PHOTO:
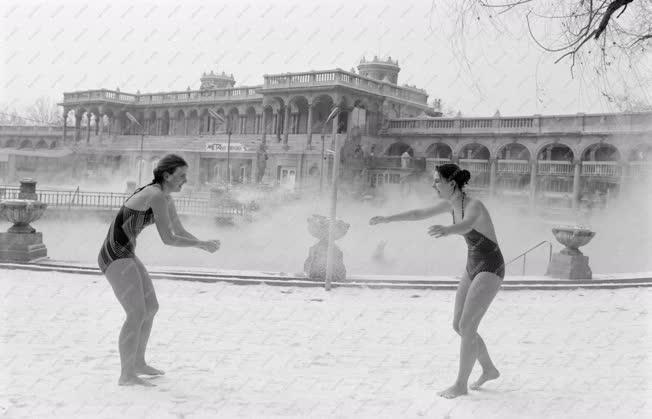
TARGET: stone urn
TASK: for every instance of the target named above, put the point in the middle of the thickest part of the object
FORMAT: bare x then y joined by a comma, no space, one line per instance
21,242
315,264
570,262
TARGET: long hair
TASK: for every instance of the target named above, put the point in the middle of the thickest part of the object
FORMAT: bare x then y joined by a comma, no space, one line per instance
168,164
451,171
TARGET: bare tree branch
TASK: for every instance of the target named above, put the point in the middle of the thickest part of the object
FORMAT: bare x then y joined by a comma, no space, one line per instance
611,9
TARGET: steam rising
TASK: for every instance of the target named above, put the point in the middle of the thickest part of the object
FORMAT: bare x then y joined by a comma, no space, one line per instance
277,240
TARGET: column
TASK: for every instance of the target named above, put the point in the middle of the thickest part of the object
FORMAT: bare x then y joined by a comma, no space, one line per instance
88,127
492,176
336,122
577,166
286,126
533,183
65,124
624,179
264,126
309,126
101,124
277,125
185,124
97,124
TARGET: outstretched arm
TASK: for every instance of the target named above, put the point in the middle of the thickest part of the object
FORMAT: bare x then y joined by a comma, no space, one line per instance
177,227
164,225
414,215
472,213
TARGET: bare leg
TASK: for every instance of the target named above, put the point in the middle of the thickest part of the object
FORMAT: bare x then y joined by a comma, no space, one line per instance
124,277
151,307
488,366
480,294
489,370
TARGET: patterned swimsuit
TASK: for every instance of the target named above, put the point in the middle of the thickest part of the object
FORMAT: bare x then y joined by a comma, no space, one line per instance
120,242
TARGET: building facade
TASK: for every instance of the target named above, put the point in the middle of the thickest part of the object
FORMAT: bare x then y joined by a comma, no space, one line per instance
279,132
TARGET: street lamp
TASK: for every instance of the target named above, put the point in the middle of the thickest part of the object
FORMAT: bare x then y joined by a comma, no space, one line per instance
333,114
333,214
142,138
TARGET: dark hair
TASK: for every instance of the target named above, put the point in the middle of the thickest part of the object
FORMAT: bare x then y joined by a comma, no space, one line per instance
451,171
168,164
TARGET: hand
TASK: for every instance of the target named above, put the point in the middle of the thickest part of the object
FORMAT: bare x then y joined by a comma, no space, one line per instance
378,220
438,231
210,246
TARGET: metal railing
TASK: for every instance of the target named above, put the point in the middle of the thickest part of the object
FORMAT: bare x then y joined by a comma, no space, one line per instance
524,254
112,201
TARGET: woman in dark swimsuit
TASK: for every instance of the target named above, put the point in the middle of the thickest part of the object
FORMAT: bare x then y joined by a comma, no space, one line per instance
127,275
485,268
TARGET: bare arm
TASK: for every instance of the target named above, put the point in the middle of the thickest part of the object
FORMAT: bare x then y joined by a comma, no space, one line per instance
164,224
471,216
177,227
414,215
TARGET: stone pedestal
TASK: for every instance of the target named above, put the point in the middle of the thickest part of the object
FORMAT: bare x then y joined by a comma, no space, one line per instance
315,264
22,247
566,266
22,243
571,263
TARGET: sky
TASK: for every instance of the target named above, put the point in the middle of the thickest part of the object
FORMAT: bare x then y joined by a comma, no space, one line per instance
48,48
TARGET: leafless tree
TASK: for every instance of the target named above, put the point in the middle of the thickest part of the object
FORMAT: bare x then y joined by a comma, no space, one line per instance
44,111
9,116
601,36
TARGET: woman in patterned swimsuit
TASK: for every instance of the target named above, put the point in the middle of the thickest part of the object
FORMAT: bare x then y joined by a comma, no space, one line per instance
485,268
127,275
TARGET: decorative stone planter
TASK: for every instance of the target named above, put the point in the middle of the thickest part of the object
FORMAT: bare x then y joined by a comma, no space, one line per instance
21,242
570,262
315,264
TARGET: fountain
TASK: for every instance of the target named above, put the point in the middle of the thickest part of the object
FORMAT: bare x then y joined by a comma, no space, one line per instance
315,264
21,242
571,263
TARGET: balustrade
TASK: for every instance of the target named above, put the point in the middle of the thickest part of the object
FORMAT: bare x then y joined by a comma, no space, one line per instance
554,167
113,201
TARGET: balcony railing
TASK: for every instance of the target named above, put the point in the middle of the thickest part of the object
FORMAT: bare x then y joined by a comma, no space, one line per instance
622,122
189,96
554,167
330,77
640,169
30,130
514,166
601,168
431,162
394,162
475,165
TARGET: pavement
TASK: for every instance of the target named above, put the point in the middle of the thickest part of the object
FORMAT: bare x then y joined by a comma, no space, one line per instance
265,351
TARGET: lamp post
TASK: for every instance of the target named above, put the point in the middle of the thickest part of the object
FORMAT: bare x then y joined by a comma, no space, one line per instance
142,139
228,156
332,115
333,214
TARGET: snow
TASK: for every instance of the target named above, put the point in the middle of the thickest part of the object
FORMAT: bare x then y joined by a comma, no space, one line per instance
262,351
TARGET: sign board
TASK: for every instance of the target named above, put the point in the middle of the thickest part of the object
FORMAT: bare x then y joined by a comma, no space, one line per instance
221,147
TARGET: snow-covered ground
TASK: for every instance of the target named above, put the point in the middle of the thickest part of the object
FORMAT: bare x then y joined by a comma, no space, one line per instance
264,351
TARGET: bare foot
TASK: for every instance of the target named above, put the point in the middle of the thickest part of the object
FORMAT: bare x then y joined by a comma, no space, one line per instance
486,376
147,370
132,380
453,391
